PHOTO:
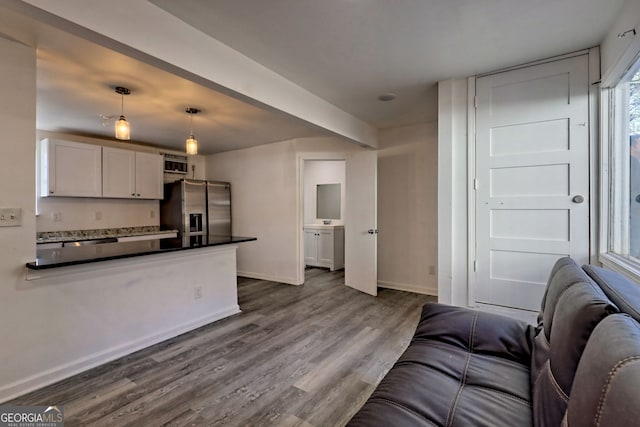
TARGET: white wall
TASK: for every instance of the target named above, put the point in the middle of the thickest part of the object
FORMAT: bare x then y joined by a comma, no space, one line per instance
452,192
322,172
17,187
79,213
407,208
613,47
264,195
263,198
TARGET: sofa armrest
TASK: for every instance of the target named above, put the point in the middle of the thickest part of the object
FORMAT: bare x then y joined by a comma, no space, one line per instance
605,389
479,332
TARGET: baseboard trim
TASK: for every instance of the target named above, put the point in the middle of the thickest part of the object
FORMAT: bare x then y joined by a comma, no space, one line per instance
55,374
408,288
260,276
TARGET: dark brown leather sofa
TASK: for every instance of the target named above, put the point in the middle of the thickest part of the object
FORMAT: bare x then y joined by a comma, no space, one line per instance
579,367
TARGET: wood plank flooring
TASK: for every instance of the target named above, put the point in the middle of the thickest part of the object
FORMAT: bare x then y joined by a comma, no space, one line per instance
296,356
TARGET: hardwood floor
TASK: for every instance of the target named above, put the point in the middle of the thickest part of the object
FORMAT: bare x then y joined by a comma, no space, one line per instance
296,356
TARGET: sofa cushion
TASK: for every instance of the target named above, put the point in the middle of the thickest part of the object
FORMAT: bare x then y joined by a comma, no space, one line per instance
577,312
624,293
605,391
565,273
462,367
484,333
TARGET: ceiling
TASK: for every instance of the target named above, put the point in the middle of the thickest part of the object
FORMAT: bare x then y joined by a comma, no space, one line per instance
345,51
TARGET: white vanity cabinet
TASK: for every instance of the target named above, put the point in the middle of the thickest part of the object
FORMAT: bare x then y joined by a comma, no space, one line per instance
324,246
70,169
131,174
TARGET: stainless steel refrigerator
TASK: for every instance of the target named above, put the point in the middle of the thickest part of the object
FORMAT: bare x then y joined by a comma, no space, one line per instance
199,210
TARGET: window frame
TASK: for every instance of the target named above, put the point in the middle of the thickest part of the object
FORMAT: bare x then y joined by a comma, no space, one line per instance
614,161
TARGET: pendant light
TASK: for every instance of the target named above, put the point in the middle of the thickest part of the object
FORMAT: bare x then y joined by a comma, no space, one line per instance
192,142
123,131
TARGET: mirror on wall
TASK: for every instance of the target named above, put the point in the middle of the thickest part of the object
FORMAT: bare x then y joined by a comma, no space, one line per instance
328,201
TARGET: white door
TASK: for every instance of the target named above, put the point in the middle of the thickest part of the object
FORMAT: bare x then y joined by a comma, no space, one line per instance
325,247
310,247
360,259
532,170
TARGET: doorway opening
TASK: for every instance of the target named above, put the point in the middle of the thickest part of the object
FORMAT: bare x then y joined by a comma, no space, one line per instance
323,205
357,219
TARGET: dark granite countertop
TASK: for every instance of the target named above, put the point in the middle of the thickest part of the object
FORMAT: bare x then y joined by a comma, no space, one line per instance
74,255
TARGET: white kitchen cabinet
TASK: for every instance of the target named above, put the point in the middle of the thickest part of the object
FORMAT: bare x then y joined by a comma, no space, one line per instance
70,169
324,246
131,174
149,176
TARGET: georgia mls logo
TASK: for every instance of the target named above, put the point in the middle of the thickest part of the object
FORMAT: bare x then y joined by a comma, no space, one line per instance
31,416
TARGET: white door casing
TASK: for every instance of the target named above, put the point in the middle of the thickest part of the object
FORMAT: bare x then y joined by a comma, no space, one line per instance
532,170
361,269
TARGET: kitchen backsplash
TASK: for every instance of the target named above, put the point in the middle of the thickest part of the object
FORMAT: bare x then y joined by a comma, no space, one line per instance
72,235
76,213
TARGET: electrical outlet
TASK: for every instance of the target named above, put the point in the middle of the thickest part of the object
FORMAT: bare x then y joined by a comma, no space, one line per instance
152,213
432,270
57,216
98,215
197,292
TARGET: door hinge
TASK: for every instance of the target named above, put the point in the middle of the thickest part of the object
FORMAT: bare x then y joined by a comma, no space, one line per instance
475,266
475,183
475,101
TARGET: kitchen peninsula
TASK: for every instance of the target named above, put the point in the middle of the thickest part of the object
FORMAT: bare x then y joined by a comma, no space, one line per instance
112,299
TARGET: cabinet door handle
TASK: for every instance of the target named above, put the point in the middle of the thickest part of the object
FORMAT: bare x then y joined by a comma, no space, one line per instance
50,192
133,194
138,195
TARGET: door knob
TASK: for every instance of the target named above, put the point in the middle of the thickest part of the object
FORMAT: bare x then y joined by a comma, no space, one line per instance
372,231
578,199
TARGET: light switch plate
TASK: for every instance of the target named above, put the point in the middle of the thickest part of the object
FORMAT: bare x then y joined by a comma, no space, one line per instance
10,217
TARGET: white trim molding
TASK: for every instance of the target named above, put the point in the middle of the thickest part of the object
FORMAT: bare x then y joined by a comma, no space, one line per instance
267,277
82,364
416,289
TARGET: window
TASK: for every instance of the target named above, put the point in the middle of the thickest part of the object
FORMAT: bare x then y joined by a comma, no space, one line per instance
624,173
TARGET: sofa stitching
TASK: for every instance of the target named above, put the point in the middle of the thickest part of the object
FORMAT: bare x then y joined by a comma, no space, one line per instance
555,384
607,385
404,407
502,393
535,383
463,379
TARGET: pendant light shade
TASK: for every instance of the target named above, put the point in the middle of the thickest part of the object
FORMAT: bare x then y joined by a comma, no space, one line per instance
123,130
192,142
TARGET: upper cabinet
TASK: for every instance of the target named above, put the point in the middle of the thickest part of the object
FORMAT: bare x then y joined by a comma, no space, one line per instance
149,176
118,173
70,169
74,169
131,175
